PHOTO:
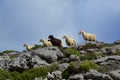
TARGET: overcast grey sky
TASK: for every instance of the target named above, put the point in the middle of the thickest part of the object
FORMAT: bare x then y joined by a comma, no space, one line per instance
26,21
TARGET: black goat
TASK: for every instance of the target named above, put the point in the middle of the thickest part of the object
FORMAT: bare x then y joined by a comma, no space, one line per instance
55,41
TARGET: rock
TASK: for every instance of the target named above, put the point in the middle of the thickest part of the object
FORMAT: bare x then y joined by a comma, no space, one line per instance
38,78
117,42
82,52
63,66
38,62
76,77
4,60
21,62
56,75
115,74
110,50
50,54
95,75
74,58
12,54
65,60
107,58
26,61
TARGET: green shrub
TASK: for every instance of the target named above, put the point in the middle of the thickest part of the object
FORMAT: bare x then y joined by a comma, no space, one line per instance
101,69
90,56
36,46
7,51
73,68
87,65
73,51
28,74
117,52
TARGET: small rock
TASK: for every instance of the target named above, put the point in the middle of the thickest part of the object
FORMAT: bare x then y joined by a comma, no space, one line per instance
56,75
82,52
74,58
76,77
63,66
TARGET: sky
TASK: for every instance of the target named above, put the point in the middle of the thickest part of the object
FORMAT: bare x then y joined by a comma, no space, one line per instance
27,21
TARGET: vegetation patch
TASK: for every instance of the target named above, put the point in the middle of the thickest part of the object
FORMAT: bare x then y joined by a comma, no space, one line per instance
28,74
7,51
87,65
73,51
90,56
72,69
36,46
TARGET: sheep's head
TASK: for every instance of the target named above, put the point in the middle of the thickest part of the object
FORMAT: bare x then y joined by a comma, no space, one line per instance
81,32
25,45
64,36
51,36
41,40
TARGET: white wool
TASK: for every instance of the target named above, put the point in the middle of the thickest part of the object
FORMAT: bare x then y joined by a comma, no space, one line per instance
88,36
28,47
45,42
69,41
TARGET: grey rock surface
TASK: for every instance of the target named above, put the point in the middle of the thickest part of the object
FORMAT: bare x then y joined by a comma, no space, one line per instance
76,77
95,75
115,74
63,66
50,54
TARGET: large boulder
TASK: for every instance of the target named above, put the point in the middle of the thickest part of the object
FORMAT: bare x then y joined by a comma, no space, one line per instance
4,62
26,61
50,54
38,62
21,62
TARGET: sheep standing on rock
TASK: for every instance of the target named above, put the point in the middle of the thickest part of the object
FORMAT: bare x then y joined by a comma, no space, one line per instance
88,36
46,43
55,41
28,47
69,41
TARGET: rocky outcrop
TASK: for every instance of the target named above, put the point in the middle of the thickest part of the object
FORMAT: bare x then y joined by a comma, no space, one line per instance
103,55
26,60
50,54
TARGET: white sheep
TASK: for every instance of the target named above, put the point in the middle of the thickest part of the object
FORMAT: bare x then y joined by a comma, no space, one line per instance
69,41
46,43
28,47
88,36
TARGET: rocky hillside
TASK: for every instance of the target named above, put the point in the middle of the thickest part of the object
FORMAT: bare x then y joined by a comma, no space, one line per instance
89,61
